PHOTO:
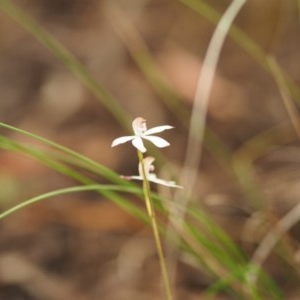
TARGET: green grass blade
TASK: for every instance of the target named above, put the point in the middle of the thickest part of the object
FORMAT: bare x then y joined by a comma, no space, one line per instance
63,191
101,170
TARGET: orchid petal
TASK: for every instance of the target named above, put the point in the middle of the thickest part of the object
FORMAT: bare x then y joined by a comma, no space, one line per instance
138,143
164,182
157,129
157,141
122,140
135,177
152,177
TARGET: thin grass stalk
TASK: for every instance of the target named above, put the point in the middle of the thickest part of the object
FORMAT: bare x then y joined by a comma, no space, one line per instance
59,192
201,100
198,119
151,213
285,94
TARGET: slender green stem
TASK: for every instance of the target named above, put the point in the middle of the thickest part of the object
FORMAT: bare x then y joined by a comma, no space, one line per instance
59,192
151,212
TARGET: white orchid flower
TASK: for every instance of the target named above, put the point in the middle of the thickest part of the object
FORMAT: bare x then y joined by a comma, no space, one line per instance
148,165
140,133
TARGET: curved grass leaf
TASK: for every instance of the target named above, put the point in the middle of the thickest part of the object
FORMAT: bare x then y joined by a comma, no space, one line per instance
69,190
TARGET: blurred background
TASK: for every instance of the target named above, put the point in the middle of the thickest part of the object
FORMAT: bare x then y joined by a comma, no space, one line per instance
147,55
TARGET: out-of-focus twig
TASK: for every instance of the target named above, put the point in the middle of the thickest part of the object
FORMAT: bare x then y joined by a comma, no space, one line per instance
198,116
270,240
199,112
285,94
